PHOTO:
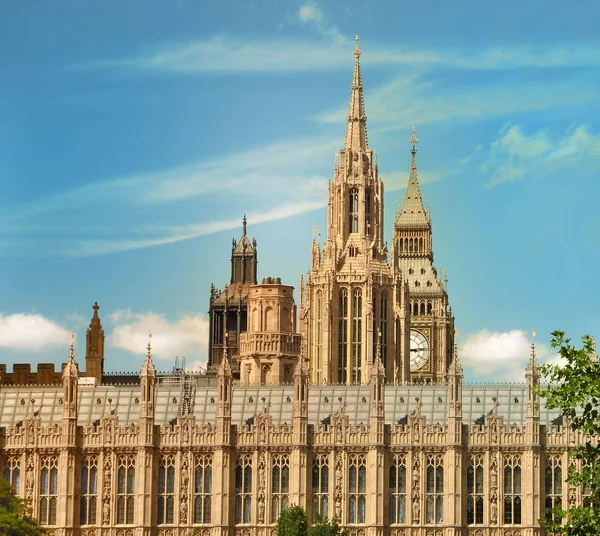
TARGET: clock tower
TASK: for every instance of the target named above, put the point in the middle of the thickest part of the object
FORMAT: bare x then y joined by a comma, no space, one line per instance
431,320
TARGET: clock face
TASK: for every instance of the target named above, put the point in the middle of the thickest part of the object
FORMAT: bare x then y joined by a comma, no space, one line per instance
419,350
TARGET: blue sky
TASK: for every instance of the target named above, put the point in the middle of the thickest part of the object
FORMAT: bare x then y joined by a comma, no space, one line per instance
134,136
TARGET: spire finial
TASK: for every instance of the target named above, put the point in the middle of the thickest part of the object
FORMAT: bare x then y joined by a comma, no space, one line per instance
149,347
244,223
225,345
414,140
356,50
378,348
532,357
72,347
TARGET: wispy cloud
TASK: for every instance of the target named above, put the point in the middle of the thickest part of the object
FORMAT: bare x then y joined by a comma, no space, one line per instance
16,332
233,54
117,211
186,336
514,155
311,14
499,356
426,98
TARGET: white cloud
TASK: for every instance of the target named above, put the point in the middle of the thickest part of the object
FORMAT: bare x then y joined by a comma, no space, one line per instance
187,336
232,54
515,155
311,13
499,356
32,332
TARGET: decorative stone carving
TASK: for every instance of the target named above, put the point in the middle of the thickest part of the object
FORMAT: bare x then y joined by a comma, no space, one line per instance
493,490
416,492
337,494
106,495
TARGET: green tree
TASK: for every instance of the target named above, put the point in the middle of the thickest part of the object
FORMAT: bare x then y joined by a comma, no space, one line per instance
574,388
13,520
326,528
292,522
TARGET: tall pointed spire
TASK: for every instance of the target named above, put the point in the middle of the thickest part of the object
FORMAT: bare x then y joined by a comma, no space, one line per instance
412,211
356,130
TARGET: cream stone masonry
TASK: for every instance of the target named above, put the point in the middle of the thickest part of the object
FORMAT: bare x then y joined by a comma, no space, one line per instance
331,418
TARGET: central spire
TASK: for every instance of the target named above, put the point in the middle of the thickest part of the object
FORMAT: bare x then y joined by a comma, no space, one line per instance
356,130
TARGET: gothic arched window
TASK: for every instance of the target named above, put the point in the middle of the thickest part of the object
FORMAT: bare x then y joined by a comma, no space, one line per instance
475,491
89,491
398,490
512,490
368,212
166,491
357,500
343,336
356,335
202,490
280,485
353,211
48,491
320,487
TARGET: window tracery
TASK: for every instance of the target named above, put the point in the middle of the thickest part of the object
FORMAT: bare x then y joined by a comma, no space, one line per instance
320,486
202,490
166,490
280,485
125,490
397,474
357,484
88,503
435,489
48,490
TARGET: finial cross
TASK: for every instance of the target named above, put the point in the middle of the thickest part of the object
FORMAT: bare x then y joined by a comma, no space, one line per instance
413,139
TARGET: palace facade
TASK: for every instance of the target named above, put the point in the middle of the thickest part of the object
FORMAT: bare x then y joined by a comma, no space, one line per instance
351,406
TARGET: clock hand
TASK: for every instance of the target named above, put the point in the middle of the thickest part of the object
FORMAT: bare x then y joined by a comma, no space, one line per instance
414,349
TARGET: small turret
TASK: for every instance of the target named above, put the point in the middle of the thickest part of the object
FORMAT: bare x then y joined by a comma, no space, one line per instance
70,388
94,348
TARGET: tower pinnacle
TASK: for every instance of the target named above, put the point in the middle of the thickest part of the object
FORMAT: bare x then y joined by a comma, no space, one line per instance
412,211
356,130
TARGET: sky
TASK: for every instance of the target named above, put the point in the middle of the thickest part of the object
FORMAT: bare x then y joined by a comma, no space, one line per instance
135,135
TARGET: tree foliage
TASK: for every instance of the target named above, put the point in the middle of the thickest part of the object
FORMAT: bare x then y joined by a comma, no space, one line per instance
573,387
292,522
13,520
326,528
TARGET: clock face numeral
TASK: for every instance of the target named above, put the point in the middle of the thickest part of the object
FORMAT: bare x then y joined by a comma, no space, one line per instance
419,350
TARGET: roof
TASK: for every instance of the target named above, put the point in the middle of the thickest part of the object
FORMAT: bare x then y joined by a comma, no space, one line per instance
412,212
323,401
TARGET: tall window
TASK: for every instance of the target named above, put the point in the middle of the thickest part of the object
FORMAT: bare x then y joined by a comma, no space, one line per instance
368,210
357,487
320,487
435,489
318,334
48,491
12,472
353,211
202,489
280,485
398,490
243,490
475,491
89,491
166,490
383,323
356,335
126,490
553,482
512,490
343,337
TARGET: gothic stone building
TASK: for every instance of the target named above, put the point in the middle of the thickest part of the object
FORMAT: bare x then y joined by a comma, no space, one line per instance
352,406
